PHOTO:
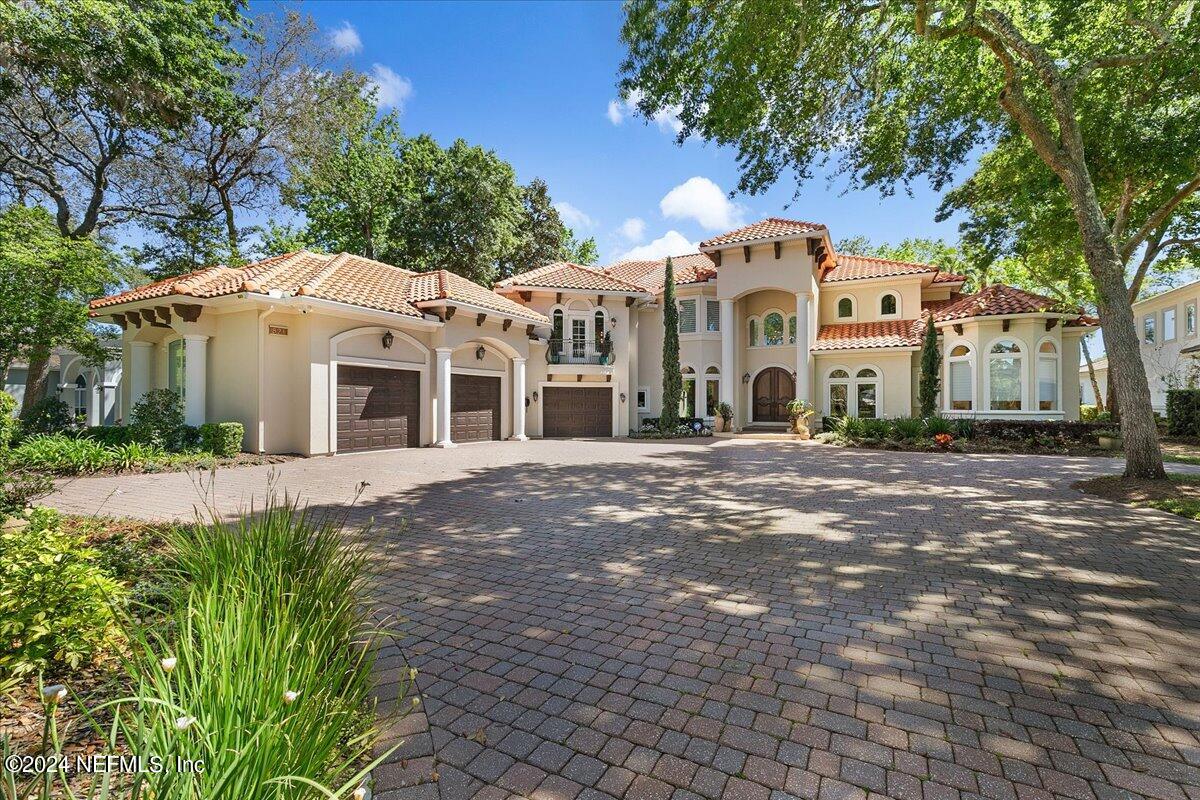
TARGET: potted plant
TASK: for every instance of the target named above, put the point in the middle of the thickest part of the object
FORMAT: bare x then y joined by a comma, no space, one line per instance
605,348
798,412
724,417
1110,439
554,351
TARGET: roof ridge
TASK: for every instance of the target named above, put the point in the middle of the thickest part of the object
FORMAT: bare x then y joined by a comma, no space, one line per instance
193,280
314,283
276,265
933,267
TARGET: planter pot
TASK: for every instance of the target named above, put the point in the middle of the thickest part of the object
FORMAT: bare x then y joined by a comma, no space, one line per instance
721,426
1112,442
800,428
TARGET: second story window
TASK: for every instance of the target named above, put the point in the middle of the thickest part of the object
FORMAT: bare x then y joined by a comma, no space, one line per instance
773,329
687,316
712,316
1168,324
1148,329
845,308
1189,320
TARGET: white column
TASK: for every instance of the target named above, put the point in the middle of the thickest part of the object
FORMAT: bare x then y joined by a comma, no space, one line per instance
729,336
442,403
802,389
95,404
195,378
699,393
140,371
518,401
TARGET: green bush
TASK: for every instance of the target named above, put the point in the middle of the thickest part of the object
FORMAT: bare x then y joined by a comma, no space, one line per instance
48,415
849,428
1092,414
8,423
875,428
964,429
157,419
55,600
1183,412
936,425
908,427
133,454
62,455
111,435
222,439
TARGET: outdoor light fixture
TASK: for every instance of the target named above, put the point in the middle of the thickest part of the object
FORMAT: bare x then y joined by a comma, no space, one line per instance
535,395
622,397
613,322
746,378
388,338
479,351
793,374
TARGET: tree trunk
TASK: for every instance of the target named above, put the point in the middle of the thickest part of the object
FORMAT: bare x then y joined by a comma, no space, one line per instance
1114,408
1143,458
231,231
35,379
1087,356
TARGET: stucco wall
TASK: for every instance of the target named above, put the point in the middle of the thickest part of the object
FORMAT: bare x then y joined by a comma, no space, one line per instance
1164,362
867,296
894,368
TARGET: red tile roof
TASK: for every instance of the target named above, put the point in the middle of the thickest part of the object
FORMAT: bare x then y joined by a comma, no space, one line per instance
858,335
770,228
851,268
343,278
565,275
995,300
650,274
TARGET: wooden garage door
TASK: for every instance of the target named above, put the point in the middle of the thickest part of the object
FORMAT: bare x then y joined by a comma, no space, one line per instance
474,408
377,408
577,412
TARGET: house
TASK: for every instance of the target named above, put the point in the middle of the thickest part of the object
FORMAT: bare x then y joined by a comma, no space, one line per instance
1086,395
327,353
1167,329
90,391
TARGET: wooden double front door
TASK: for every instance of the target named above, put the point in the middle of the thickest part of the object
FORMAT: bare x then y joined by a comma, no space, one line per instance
773,390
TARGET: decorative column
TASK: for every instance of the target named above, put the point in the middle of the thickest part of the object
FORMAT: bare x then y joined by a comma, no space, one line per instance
442,403
803,392
729,335
518,401
141,376
195,378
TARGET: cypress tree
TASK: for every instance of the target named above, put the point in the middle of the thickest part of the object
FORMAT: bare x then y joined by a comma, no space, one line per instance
931,371
672,382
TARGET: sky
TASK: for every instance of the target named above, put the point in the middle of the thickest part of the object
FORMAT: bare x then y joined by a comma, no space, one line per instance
536,83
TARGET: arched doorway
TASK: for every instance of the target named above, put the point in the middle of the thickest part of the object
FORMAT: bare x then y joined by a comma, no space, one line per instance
773,389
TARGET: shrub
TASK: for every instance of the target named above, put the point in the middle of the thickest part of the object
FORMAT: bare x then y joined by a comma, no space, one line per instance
18,489
1027,429
1183,412
48,415
875,428
222,438
849,427
964,428
936,425
908,427
54,599
1092,414
725,412
111,435
133,454
157,419
62,454
8,423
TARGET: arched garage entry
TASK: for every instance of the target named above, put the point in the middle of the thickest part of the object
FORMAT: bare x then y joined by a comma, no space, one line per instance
479,391
379,384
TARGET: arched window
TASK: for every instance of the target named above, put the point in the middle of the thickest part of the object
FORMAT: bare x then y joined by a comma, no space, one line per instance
866,393
961,371
80,397
1047,377
687,401
599,325
845,308
557,323
773,329
839,393
753,332
889,305
712,391
1005,387
792,329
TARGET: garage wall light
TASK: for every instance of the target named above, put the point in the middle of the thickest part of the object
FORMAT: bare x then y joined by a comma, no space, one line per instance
535,396
479,351
388,338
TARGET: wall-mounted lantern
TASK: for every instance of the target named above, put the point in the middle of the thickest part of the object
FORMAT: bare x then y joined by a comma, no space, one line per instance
746,378
479,352
622,397
535,396
388,338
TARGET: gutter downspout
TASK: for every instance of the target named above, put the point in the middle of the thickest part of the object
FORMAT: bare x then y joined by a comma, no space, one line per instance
262,360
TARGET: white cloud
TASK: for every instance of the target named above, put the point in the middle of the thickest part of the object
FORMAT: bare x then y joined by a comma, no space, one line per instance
344,39
621,109
391,90
633,229
702,200
671,243
573,217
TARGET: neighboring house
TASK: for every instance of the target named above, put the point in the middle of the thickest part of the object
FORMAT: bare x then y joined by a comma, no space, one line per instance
1086,396
322,354
1167,329
92,392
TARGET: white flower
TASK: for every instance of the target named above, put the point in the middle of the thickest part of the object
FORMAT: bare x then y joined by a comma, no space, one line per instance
54,694
168,664
359,793
416,702
183,723
290,697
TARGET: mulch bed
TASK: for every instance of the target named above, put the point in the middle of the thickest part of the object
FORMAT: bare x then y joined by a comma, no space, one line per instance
1134,491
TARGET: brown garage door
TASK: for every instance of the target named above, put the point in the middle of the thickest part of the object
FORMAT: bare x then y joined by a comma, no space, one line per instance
474,408
577,412
377,408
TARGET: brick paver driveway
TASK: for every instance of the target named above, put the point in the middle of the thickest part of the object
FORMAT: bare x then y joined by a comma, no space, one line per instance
766,620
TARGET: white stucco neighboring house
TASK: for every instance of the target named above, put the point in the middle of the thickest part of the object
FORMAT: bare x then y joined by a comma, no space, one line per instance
319,354
91,391
1170,345
1086,395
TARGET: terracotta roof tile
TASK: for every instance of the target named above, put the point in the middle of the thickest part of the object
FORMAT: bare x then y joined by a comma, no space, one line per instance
769,228
996,300
851,268
650,273
565,275
949,277
857,335
343,278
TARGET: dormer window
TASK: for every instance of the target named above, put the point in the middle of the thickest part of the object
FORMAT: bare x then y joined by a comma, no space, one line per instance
889,305
845,308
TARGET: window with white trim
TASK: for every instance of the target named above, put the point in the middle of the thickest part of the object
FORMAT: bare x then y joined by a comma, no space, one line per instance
961,370
177,368
792,329
1189,319
889,305
839,393
642,394
1168,324
753,332
687,316
1005,386
687,401
866,393
712,316
1047,375
1148,329
845,308
712,391
80,397
773,329
857,397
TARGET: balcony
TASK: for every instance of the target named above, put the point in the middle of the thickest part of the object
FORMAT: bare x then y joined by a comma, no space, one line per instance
579,356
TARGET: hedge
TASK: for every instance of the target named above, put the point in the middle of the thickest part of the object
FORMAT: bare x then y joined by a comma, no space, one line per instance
1015,429
222,438
112,435
1183,412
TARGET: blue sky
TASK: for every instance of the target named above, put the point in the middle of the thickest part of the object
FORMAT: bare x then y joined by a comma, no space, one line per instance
535,81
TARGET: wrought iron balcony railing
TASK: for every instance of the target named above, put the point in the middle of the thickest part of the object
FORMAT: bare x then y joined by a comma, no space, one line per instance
579,351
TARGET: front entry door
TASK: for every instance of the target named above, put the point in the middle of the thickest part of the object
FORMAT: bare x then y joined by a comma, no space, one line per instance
773,390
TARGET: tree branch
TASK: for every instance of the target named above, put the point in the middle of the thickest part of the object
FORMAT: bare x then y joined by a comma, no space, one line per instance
1159,216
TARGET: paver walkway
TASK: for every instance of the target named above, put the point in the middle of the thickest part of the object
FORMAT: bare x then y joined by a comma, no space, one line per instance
649,620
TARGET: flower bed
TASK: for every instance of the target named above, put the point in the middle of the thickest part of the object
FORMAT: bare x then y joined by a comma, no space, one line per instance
967,435
687,429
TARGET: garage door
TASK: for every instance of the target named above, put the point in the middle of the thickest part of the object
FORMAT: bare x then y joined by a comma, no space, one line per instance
577,412
474,408
377,408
